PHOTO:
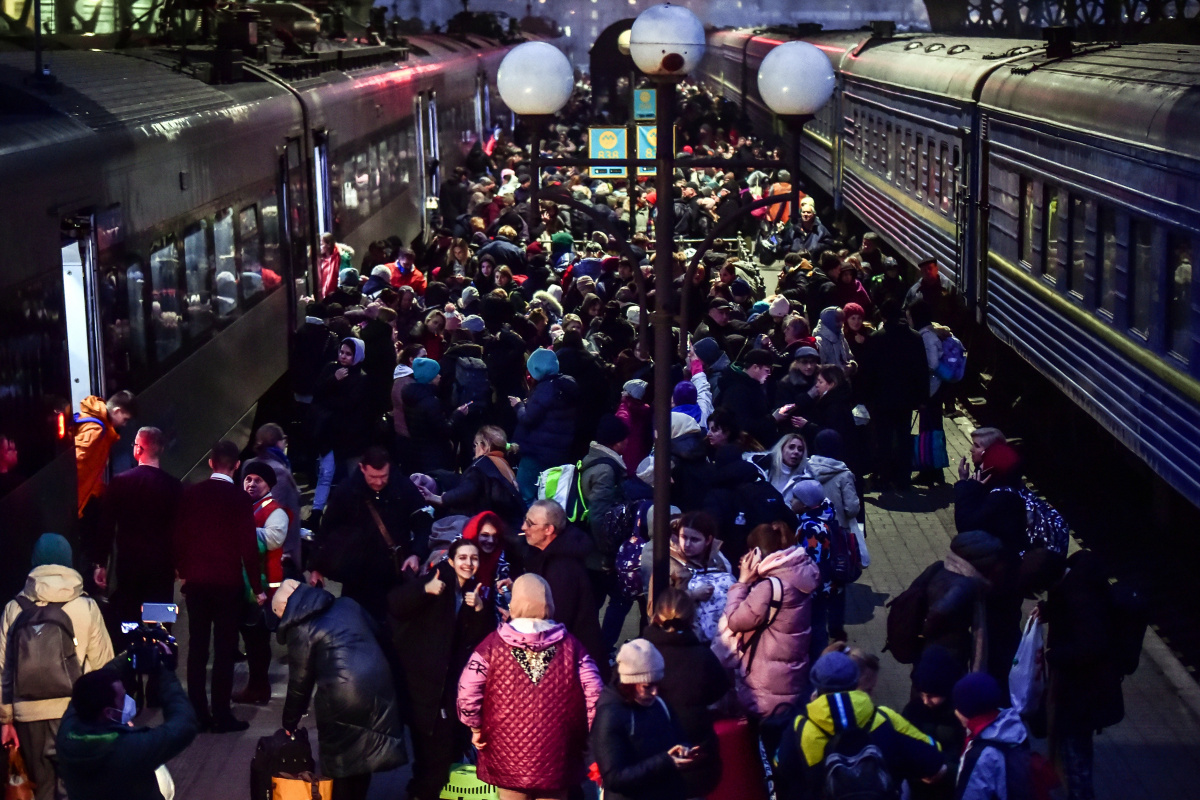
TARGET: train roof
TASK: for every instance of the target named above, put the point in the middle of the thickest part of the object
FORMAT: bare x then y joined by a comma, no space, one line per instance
938,64
1146,94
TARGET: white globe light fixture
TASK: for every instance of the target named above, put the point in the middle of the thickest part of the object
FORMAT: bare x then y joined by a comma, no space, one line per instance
535,79
623,42
666,41
795,79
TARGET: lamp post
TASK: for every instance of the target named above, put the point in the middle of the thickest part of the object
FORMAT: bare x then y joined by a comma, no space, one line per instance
666,42
535,80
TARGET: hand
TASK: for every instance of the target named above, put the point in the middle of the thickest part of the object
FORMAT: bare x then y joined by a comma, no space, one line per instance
8,733
514,401
341,373
964,471
783,412
748,565
503,584
680,755
463,409
983,476
100,576
430,497
436,585
799,422
474,600
504,615
477,738
412,564
316,579
261,598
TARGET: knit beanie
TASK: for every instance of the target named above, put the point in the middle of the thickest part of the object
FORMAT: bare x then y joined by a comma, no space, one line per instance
708,351
684,394
52,548
531,598
834,672
936,672
780,307
853,309
348,277
425,369
977,693
469,295
828,443
561,243
1003,462
761,307
638,661
262,470
542,364
473,323
806,492
740,288
611,430
635,388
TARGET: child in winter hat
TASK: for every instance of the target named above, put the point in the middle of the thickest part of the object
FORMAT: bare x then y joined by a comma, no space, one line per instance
638,661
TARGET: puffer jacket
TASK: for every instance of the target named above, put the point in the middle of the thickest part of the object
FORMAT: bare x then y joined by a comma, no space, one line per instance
429,426
93,443
630,744
778,672
1001,747
838,482
546,421
691,472
534,709
332,646
53,583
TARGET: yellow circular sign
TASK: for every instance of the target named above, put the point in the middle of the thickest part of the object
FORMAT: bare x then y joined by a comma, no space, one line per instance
644,97
652,137
608,140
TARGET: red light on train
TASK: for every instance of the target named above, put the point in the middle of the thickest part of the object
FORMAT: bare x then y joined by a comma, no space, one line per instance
61,420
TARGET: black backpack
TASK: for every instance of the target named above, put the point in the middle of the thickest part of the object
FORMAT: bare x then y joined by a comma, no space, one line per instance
41,646
845,562
906,617
616,526
471,383
1130,618
854,766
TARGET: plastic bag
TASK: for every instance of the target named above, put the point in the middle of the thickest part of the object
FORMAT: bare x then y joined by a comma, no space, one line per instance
864,556
1027,679
19,787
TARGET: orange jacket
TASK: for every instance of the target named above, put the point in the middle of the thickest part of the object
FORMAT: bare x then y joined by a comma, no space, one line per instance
93,442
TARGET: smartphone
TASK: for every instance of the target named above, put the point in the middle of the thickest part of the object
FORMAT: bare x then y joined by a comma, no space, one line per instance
159,612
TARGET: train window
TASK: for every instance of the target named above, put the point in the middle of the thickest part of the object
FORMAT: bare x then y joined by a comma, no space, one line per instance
888,161
362,184
1106,288
1029,192
250,250
946,180
1143,282
226,280
373,169
269,207
1179,310
385,171
34,373
165,313
935,177
1052,234
923,167
198,268
349,189
908,163
1083,212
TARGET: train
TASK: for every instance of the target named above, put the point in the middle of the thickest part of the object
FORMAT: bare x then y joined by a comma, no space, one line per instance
161,228
1058,185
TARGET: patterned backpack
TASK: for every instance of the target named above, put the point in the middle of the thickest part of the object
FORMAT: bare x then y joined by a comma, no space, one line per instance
1044,526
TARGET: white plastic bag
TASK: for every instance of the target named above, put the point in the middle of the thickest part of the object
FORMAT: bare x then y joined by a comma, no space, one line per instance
860,535
1027,679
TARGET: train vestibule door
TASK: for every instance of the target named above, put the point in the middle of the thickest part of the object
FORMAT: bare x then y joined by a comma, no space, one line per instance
81,307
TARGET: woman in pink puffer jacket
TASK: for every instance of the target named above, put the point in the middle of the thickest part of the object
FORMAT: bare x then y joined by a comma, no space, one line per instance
774,652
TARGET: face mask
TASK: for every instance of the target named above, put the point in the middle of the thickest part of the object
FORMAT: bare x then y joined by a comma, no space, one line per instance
129,711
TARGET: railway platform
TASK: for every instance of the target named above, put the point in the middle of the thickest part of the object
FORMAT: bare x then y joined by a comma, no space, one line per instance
1153,754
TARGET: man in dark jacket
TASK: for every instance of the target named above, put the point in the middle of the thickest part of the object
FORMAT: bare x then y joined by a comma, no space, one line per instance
545,422
1085,679
811,235
137,515
504,251
372,530
101,758
894,377
556,553
936,290
745,393
333,646
822,286
216,550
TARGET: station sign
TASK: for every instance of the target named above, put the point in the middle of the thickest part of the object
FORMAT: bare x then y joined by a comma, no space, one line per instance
608,144
647,136
643,103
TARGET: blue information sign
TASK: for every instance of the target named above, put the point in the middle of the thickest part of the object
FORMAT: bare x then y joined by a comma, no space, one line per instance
647,147
608,144
643,103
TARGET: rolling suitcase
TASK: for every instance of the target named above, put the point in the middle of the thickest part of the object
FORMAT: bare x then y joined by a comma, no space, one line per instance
279,754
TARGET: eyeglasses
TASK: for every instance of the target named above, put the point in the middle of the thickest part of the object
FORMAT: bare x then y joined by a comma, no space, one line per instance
531,524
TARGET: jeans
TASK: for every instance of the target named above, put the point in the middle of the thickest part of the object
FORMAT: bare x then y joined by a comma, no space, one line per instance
326,466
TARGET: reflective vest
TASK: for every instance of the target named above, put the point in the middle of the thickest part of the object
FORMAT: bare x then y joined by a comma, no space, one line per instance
271,560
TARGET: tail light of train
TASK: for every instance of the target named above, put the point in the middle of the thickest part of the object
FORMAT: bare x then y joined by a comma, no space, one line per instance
60,423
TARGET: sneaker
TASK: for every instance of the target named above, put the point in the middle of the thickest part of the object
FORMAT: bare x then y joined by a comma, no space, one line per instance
228,725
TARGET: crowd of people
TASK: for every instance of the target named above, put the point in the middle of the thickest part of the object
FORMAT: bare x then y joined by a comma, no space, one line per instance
474,417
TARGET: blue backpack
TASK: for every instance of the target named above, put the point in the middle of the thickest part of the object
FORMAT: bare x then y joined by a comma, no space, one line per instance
953,363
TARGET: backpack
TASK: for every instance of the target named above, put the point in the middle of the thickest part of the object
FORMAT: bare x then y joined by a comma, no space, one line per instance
615,528
845,561
42,645
854,766
756,503
1130,618
1026,774
1045,527
561,484
471,383
629,554
906,617
953,362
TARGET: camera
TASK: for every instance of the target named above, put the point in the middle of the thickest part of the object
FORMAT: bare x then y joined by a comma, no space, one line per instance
145,652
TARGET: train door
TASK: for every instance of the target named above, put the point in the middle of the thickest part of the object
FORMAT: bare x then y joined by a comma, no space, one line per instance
434,154
480,85
295,231
321,188
81,307
425,114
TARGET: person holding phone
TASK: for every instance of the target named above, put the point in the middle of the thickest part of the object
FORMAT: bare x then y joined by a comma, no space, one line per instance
638,741
437,620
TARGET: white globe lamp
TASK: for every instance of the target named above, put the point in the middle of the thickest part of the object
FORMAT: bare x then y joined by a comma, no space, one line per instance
535,79
666,41
623,42
795,79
